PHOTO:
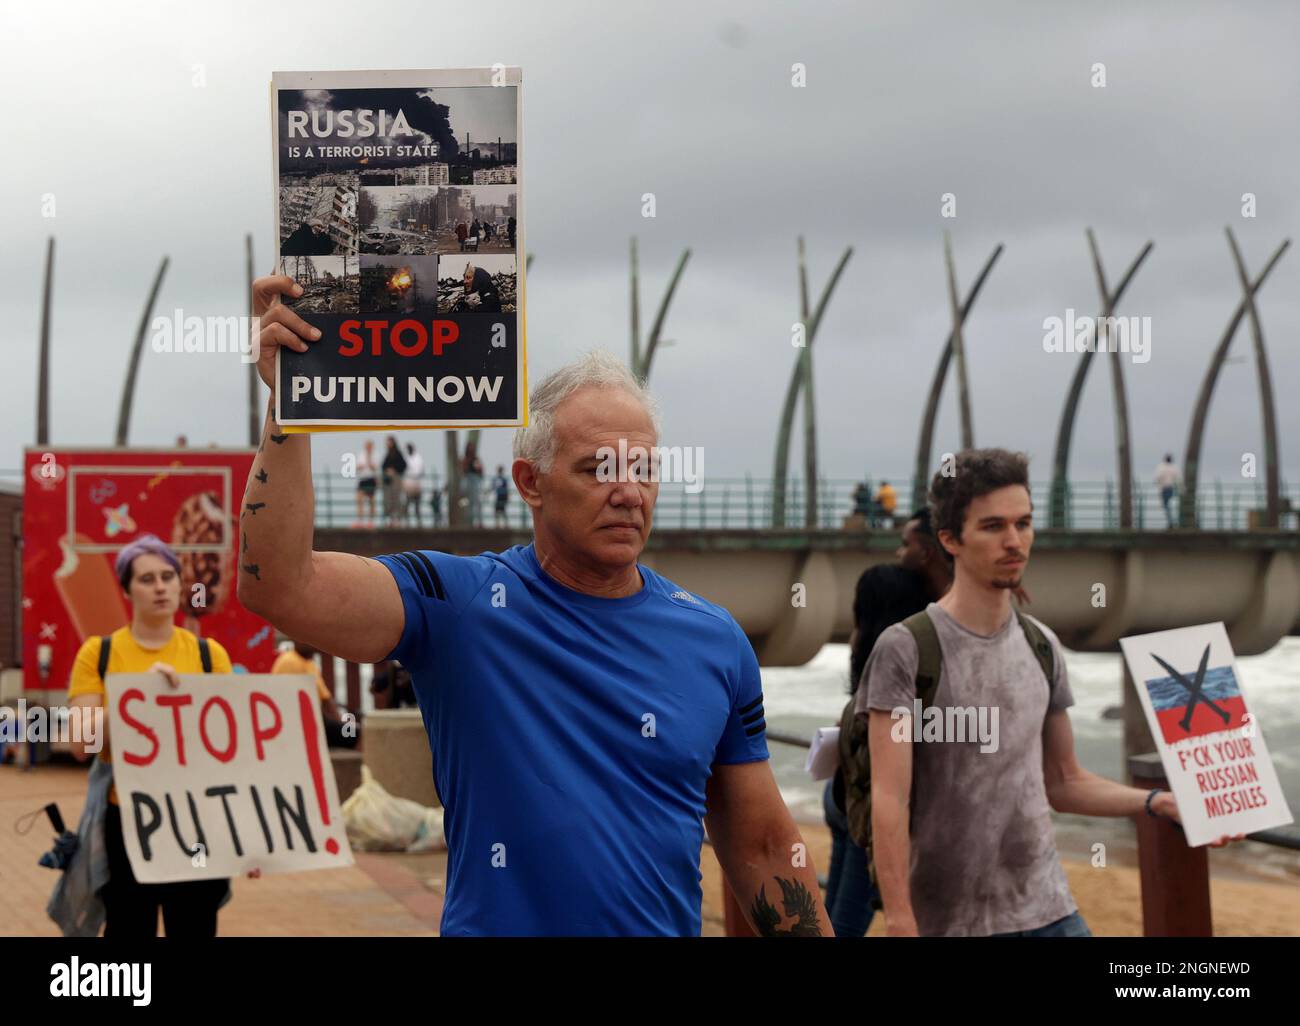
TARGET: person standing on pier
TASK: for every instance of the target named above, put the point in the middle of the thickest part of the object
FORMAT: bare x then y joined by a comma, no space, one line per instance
1168,480
588,718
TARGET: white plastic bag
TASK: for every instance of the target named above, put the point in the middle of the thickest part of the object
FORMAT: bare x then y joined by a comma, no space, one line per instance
378,821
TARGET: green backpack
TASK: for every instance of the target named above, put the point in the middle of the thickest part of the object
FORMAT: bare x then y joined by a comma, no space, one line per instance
855,753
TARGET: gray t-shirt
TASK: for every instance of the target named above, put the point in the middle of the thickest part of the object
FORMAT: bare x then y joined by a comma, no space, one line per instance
983,850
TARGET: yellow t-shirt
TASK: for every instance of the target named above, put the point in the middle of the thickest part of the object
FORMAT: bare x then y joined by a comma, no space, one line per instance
291,662
888,498
126,655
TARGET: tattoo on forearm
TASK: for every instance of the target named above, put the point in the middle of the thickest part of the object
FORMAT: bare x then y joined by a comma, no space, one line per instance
261,477
253,569
798,904
271,427
253,507
245,548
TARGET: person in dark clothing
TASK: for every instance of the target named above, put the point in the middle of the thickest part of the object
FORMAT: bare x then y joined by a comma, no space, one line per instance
462,233
480,291
510,232
392,687
393,467
921,576
471,478
885,595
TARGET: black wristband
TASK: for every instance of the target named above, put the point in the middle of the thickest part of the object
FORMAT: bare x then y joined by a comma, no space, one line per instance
1154,791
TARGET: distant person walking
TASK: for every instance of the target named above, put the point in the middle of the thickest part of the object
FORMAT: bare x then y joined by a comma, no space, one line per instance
394,466
510,231
412,484
462,233
1168,480
367,471
435,501
471,476
887,501
862,499
501,495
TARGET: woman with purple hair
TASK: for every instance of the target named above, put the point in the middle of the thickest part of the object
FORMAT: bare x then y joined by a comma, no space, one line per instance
150,576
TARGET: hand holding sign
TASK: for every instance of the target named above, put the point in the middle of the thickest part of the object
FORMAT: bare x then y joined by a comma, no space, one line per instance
278,325
168,672
1165,805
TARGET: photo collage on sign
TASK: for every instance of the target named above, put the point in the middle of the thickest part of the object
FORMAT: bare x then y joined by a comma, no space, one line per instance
429,226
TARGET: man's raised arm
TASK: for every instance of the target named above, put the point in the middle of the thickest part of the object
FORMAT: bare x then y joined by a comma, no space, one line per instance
343,604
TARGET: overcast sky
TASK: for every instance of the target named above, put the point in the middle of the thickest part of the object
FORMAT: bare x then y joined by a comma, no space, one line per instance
693,102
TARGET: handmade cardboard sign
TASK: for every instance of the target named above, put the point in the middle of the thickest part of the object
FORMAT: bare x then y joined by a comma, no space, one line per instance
1211,746
226,774
399,212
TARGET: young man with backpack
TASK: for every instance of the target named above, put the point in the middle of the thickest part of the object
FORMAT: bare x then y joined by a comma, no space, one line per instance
961,832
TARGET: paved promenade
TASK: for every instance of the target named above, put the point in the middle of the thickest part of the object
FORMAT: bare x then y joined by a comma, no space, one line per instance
398,895
381,896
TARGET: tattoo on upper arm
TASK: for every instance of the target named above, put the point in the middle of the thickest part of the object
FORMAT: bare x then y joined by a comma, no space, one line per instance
278,439
261,476
798,904
253,507
253,569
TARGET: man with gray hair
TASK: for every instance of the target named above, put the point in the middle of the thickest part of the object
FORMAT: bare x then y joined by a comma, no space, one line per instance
587,717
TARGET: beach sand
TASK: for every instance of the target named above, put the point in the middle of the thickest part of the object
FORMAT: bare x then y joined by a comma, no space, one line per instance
1109,898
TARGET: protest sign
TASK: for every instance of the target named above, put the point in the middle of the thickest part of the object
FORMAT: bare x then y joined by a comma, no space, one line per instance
1211,746
399,211
226,774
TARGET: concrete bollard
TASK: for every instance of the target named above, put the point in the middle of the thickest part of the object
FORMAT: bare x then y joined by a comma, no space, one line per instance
396,751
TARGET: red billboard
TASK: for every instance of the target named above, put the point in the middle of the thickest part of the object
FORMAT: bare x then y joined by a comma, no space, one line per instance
81,506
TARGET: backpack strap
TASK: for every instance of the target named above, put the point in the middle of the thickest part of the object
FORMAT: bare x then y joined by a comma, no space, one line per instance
105,647
1041,647
205,655
929,655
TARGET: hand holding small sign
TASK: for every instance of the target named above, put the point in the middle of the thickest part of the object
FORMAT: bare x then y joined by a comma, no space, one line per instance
1163,804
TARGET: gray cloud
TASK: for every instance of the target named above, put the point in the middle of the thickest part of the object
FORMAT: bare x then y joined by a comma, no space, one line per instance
991,102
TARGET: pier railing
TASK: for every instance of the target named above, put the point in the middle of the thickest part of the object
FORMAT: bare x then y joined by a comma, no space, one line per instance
747,503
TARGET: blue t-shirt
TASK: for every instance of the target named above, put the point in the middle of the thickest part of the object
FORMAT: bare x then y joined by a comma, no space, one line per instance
572,737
